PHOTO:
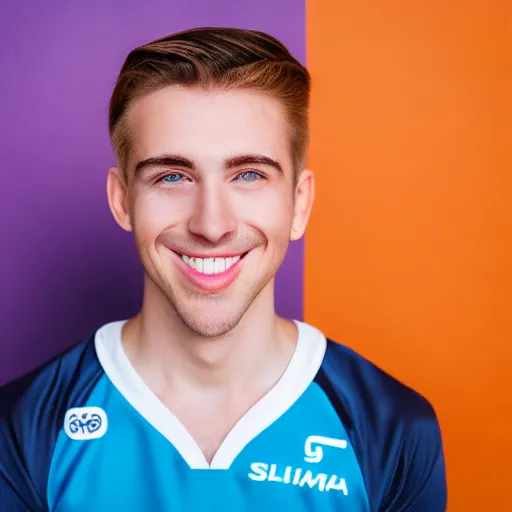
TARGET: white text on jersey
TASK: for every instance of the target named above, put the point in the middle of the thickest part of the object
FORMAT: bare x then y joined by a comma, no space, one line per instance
313,447
297,476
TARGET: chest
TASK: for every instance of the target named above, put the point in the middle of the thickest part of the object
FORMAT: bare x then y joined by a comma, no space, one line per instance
294,460
137,469
208,429
209,420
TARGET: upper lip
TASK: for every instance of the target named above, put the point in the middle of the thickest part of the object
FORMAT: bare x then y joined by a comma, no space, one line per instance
229,254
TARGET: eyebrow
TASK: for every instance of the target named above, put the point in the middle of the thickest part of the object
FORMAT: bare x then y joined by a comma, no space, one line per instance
229,163
237,161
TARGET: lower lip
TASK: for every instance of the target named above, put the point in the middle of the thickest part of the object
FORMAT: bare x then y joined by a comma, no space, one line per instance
210,283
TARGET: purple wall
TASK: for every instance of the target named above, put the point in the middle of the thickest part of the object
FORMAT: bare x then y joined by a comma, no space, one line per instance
65,267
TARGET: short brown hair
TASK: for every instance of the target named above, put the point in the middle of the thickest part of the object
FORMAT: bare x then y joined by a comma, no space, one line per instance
227,58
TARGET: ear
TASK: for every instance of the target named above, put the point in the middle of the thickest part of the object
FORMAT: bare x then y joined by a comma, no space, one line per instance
304,197
117,194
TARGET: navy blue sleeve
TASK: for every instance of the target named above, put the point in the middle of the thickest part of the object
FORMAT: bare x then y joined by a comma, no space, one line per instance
394,432
22,448
11,498
419,482
32,411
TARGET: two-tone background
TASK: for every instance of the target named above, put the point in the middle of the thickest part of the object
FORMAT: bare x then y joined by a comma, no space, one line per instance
407,255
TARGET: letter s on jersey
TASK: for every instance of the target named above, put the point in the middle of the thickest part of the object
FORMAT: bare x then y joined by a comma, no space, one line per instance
258,471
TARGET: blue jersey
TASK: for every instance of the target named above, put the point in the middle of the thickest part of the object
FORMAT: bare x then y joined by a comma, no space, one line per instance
85,433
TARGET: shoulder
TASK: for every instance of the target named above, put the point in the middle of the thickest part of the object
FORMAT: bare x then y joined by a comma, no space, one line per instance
36,394
32,409
393,428
348,373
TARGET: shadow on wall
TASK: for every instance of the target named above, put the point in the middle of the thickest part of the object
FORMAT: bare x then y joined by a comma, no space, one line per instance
73,284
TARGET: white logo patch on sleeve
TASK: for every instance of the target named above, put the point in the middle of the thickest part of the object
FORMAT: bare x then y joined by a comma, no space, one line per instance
85,423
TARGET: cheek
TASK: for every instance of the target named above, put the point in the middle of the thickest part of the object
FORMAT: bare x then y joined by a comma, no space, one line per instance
270,211
155,211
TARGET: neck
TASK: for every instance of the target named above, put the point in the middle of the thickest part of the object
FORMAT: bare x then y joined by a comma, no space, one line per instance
168,354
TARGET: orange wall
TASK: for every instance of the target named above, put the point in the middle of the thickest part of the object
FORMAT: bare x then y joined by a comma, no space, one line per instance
406,254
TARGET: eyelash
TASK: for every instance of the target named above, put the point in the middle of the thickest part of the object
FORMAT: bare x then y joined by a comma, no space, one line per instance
163,178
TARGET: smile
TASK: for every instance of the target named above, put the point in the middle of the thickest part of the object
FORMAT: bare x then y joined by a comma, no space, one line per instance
211,266
211,274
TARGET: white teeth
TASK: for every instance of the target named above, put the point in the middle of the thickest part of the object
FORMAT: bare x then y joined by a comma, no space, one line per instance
210,265
220,265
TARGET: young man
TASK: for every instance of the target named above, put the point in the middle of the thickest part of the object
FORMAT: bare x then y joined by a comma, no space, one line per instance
206,400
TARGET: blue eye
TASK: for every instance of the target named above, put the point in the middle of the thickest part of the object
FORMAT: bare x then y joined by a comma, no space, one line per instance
250,176
172,177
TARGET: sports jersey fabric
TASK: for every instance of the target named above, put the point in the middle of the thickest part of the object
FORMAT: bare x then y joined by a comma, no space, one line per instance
85,433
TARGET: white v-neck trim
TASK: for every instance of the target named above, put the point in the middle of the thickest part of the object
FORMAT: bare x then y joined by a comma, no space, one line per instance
302,369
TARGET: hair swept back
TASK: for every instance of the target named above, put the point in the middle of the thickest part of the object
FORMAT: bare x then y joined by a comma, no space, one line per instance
227,58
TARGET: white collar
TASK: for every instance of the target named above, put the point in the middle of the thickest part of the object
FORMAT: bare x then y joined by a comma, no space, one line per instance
302,369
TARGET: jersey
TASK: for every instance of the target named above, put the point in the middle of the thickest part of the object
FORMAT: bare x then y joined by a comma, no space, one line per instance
84,432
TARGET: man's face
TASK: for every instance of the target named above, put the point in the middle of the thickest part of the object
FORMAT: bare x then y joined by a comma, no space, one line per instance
210,198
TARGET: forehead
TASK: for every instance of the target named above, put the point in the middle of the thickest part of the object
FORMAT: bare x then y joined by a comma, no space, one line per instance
208,126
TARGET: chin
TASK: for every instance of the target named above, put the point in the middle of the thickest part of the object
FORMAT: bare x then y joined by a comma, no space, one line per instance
210,316
210,326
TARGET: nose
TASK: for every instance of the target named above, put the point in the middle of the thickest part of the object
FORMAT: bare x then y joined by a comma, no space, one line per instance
213,217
